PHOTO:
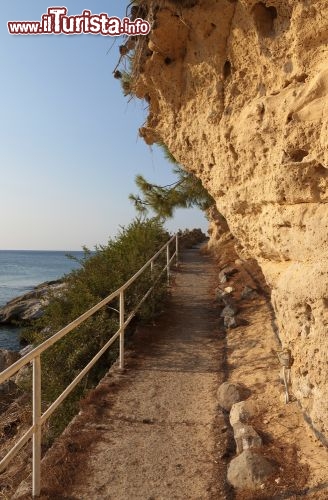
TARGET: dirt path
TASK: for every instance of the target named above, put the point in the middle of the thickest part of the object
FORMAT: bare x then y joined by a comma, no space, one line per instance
155,432
157,428
158,439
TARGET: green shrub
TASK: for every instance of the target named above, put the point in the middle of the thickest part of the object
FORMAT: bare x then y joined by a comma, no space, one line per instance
101,273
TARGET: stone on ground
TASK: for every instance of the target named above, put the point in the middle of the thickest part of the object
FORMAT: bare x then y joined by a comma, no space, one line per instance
248,293
249,470
229,311
230,322
226,273
241,412
246,437
230,393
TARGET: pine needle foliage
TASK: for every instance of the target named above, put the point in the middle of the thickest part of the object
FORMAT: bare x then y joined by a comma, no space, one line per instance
186,192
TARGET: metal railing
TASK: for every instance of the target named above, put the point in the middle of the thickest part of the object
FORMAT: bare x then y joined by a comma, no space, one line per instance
34,356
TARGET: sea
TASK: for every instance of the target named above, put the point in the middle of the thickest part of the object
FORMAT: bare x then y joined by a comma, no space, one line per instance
21,271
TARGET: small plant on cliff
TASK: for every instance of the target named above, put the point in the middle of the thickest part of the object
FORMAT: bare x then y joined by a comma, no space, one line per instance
126,82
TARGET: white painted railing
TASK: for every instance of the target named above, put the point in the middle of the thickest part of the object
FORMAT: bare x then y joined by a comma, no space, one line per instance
33,357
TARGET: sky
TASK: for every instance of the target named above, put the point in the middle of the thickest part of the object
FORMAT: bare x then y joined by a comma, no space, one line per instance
69,145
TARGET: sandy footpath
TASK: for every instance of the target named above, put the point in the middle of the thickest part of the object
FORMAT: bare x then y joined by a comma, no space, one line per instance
154,431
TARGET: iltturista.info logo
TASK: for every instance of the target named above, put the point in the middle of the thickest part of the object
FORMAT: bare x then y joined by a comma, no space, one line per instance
57,22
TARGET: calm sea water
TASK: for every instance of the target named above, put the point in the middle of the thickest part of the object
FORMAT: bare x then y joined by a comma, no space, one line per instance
20,272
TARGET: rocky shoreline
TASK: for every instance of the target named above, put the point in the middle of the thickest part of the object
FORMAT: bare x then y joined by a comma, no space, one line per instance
25,308
21,311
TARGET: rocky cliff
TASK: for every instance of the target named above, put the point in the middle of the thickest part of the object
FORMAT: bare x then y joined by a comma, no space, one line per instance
238,91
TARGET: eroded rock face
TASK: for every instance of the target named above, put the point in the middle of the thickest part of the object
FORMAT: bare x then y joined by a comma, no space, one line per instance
238,91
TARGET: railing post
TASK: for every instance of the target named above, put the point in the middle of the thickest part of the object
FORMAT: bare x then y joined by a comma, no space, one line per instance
152,293
177,250
36,465
122,313
168,263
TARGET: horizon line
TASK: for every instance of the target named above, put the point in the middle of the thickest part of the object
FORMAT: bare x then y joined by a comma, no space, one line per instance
39,250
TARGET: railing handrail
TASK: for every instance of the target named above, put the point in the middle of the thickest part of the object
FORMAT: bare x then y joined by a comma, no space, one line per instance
37,351
34,356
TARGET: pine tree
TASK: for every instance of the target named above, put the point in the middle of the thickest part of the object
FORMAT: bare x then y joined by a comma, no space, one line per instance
186,192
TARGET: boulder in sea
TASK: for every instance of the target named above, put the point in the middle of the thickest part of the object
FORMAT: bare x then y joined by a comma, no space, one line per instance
30,305
20,309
